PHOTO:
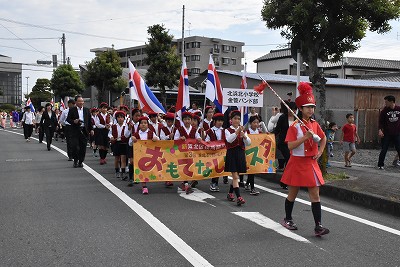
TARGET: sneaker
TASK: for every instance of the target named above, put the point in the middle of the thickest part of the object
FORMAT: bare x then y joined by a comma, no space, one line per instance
188,189
183,187
289,224
247,188
398,163
168,184
212,187
225,179
117,175
240,201
216,188
331,155
254,192
320,230
381,168
145,191
130,184
102,162
124,177
230,197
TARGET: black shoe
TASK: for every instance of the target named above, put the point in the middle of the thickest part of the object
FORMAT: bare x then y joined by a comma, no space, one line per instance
283,186
48,149
289,224
80,164
320,230
70,159
130,184
225,179
75,164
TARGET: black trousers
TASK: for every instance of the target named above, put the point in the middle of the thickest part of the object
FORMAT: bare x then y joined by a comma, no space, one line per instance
28,129
386,140
49,131
79,140
67,133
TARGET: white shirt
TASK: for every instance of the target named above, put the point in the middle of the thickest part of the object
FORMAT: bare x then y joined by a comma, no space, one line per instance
27,118
126,132
143,136
231,137
256,131
162,134
188,130
218,133
80,113
97,121
63,117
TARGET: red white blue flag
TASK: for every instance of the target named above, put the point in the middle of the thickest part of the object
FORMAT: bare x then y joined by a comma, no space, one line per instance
62,105
183,101
213,87
29,103
140,91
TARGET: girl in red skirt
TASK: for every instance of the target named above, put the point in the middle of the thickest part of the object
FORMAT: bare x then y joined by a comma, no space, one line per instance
302,170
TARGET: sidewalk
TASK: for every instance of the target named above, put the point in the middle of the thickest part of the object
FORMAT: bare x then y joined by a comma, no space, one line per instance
367,186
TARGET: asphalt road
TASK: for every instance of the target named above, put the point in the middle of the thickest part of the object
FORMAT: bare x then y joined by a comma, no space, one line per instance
52,214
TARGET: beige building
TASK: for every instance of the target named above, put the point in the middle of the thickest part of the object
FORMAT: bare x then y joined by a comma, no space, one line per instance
227,55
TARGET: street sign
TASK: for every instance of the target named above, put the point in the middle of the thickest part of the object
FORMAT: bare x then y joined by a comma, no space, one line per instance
242,97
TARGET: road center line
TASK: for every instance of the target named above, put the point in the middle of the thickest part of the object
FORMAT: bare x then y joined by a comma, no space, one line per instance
184,249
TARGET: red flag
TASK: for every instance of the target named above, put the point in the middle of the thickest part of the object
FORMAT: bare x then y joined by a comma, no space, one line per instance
261,87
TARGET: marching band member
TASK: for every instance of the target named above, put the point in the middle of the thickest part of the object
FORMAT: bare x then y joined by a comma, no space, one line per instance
235,161
133,128
119,136
303,170
215,133
103,122
144,133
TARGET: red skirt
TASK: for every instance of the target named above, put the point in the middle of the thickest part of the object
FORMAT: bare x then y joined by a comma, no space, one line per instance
302,172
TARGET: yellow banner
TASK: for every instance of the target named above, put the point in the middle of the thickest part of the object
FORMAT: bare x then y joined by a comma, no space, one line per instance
160,161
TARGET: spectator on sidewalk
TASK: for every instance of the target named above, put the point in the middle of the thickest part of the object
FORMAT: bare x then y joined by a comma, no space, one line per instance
330,138
348,139
389,128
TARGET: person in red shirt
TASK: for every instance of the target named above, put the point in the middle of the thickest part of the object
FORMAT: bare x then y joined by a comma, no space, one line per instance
302,169
348,139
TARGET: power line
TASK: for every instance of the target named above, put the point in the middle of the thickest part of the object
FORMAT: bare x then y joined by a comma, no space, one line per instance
72,32
34,38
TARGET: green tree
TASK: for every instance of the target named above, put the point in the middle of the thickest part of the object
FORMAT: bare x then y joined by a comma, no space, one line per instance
66,82
164,63
40,92
327,29
104,72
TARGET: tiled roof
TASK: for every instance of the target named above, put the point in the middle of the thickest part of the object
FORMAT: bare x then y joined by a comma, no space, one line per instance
372,63
280,78
275,54
388,77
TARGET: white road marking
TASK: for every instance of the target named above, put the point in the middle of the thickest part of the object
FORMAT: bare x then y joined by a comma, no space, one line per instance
266,222
184,249
197,195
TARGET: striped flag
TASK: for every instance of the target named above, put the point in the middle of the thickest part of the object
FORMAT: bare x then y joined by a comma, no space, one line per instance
140,91
213,87
29,103
183,101
62,105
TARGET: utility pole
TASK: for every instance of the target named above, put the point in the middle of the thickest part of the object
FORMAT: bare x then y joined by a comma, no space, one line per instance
183,33
63,47
27,83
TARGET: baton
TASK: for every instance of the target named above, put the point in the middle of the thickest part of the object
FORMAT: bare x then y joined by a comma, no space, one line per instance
315,137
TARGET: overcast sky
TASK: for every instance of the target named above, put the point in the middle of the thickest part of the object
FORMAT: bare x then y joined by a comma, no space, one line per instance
32,30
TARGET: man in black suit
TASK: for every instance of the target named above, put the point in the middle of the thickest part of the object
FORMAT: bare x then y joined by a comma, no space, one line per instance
48,124
81,126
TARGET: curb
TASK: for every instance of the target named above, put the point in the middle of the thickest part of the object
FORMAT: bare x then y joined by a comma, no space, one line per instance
367,200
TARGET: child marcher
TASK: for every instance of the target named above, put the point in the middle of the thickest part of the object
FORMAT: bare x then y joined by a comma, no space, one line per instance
302,169
144,133
254,128
215,133
185,132
330,138
103,122
134,128
348,139
167,133
119,134
207,123
93,111
235,162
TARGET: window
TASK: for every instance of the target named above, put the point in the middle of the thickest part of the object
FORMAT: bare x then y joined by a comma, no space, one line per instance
187,45
225,61
195,71
226,48
281,72
216,46
195,58
187,58
234,49
195,44
233,61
